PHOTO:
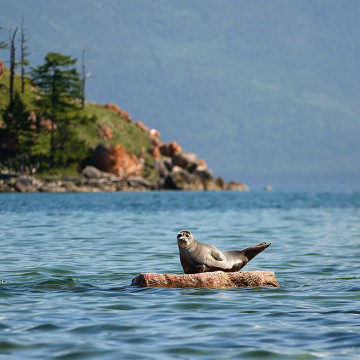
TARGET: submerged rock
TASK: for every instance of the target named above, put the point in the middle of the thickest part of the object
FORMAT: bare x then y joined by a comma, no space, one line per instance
217,279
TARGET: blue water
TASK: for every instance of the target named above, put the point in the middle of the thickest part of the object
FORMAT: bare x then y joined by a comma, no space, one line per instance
67,261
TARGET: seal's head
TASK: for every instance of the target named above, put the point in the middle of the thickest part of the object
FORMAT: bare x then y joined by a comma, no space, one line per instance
184,238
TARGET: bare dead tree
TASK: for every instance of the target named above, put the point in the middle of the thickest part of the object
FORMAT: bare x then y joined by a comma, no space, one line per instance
83,78
12,67
24,53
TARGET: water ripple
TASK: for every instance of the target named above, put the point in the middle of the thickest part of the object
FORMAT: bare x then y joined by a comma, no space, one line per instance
68,260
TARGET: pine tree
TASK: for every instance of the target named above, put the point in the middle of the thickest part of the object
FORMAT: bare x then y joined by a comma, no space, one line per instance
59,87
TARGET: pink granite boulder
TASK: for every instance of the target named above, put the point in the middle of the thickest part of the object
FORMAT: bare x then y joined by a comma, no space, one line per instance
214,280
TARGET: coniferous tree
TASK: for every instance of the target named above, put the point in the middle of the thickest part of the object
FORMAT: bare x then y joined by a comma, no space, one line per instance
59,88
15,115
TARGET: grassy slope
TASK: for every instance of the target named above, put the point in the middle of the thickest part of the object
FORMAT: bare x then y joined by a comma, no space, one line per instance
127,133
123,132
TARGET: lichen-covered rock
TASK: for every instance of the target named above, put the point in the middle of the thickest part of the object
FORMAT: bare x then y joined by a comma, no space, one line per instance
217,279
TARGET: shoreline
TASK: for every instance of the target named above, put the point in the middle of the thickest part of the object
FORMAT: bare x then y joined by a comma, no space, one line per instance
94,180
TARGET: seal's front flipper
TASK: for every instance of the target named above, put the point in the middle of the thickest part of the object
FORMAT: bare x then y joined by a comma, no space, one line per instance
216,254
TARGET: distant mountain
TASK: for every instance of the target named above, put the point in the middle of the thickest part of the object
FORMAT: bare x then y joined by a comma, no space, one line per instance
266,91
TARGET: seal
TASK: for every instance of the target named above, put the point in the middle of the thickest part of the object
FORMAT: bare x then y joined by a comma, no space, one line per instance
197,257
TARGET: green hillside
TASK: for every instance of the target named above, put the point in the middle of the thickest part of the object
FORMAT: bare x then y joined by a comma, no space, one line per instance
36,143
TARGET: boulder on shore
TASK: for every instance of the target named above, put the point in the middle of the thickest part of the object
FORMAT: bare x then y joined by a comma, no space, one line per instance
25,183
117,160
217,279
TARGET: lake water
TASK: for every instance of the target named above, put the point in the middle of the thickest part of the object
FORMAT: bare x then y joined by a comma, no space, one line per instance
67,261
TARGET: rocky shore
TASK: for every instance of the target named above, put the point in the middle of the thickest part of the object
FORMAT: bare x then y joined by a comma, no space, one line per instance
170,177
114,167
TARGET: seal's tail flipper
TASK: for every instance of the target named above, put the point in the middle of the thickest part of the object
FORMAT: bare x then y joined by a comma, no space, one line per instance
251,251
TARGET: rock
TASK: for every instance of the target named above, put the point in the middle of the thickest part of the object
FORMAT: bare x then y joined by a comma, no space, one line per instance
135,184
113,107
168,163
25,183
6,187
104,132
236,186
118,161
140,183
219,181
154,133
204,174
217,279
125,115
188,161
7,176
53,187
155,152
122,113
161,168
91,172
170,149
142,126
212,185
268,188
180,179
156,142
